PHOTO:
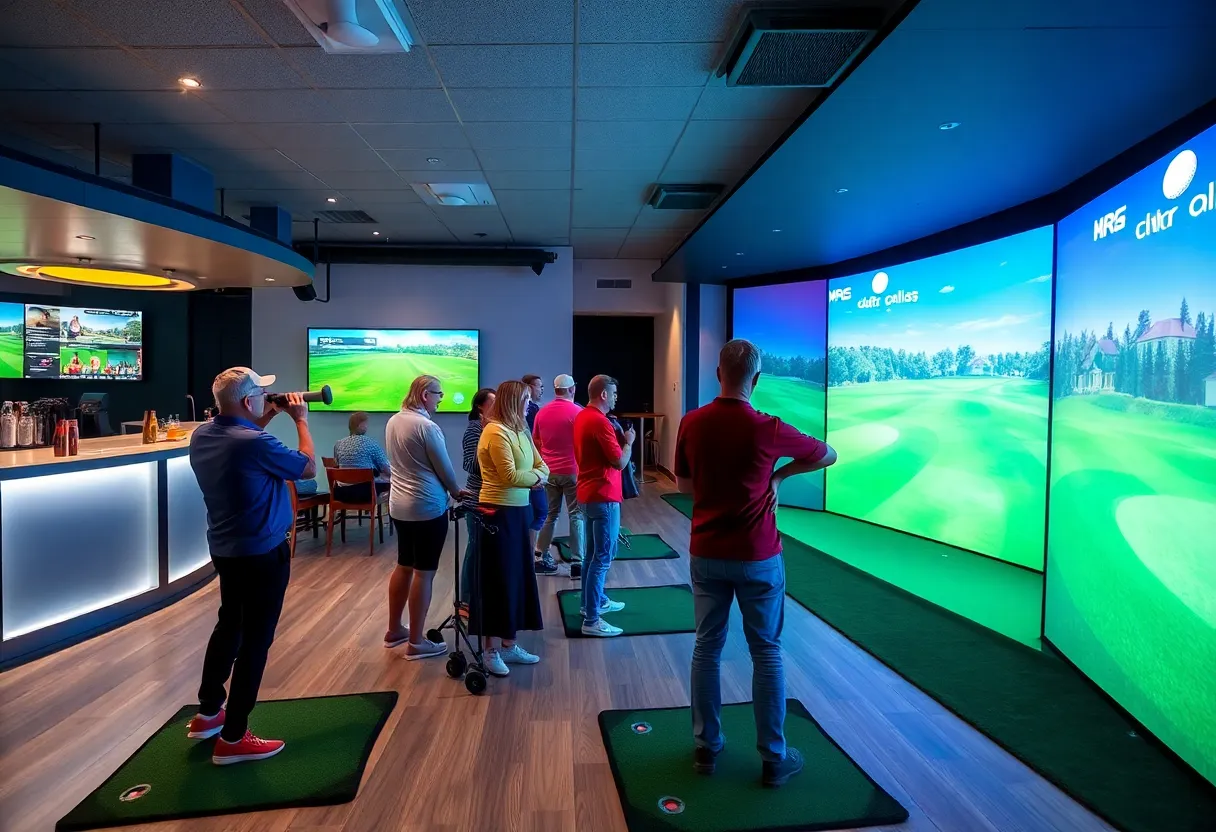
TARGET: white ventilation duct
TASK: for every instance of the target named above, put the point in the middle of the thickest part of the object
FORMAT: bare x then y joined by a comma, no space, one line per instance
342,24
356,26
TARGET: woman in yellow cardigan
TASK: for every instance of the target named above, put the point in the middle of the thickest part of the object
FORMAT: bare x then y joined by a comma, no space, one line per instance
503,571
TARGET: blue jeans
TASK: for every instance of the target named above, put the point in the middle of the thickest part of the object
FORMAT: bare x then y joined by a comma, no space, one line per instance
540,508
760,588
603,528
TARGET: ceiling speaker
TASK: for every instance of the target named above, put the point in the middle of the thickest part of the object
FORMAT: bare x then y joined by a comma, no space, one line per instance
798,48
305,292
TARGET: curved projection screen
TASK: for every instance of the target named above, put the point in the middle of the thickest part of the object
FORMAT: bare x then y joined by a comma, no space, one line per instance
787,323
371,369
937,396
1131,566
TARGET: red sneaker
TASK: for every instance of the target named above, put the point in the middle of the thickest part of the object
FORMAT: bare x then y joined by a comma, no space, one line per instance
249,748
205,727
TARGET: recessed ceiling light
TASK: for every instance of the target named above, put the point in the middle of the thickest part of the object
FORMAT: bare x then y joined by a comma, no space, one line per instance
331,199
724,267
738,254
84,237
187,81
270,280
842,190
434,160
776,230
947,125
375,233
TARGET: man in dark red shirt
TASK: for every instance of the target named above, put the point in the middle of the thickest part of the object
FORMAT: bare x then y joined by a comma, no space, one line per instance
726,453
601,457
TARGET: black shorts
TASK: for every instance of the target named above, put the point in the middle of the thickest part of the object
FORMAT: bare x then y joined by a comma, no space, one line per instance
420,542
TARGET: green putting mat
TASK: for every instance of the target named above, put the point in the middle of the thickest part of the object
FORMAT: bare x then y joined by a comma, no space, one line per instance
329,739
649,610
641,547
651,755
1030,702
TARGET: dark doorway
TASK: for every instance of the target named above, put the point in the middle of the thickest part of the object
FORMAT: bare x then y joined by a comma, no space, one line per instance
620,346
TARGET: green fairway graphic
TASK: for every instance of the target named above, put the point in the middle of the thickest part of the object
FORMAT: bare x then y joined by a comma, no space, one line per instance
937,396
1131,566
371,370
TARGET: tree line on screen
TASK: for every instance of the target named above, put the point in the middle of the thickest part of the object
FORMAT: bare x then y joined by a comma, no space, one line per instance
450,350
1172,368
859,365
806,369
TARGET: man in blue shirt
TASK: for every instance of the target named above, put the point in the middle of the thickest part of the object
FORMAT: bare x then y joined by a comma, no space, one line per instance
361,451
243,472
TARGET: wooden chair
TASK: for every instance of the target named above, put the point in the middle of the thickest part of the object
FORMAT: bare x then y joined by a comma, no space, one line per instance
310,503
374,506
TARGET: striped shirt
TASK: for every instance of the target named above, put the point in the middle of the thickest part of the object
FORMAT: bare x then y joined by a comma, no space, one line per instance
469,448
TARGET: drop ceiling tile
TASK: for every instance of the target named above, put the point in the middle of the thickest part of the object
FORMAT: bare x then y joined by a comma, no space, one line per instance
536,104
157,23
506,21
297,201
551,159
701,155
442,177
647,244
279,22
90,69
646,64
735,133
258,68
592,210
532,208
722,102
613,180
400,212
469,221
644,21
363,180
267,106
268,180
12,77
597,242
649,159
241,161
529,180
667,219
392,105
50,107
609,135
39,23
636,104
418,159
289,137
320,160
400,70
486,135
219,137
537,65
683,176
400,194
436,135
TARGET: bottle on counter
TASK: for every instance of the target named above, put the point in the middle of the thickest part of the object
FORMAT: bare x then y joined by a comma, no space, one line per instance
8,426
25,427
61,437
73,437
150,427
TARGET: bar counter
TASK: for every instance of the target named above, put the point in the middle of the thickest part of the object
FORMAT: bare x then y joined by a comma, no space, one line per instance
92,541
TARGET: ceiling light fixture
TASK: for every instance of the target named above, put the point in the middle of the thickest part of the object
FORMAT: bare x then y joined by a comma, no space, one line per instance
331,199
187,81
842,190
948,125
776,230
270,280
434,160
84,237
86,273
375,233
738,254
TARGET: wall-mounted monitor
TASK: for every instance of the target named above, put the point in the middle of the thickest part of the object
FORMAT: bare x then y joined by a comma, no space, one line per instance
1131,563
371,369
938,396
12,341
82,343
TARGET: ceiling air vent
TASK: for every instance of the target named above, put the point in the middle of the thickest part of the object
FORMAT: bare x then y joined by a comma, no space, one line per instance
454,194
346,217
356,26
684,197
790,48
606,283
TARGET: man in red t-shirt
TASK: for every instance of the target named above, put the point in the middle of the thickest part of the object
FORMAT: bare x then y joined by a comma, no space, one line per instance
726,457
601,456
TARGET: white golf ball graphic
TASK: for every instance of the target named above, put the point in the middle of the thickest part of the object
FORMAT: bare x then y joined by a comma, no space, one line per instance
458,398
879,284
1179,174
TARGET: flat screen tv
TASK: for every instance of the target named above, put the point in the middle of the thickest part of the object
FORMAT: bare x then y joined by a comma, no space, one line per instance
82,343
371,369
12,347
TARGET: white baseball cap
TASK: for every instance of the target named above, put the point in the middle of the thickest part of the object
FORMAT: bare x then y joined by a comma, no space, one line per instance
240,382
563,382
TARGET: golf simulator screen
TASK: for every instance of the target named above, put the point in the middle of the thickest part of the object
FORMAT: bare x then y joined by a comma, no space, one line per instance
937,396
12,342
1131,564
788,323
371,369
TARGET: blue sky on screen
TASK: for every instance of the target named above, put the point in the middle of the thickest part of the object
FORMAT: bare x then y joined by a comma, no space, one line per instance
11,314
96,321
1112,278
402,337
786,320
995,297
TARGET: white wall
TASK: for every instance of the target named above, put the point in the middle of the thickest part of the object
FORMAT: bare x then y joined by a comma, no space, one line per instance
645,297
526,326
712,338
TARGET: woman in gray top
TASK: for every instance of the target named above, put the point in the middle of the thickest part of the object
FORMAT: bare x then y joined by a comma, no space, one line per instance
422,482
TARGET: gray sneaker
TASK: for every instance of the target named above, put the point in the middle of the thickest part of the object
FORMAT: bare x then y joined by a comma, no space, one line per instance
426,649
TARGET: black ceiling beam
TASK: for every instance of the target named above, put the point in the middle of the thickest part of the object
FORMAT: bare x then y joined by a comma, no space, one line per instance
389,254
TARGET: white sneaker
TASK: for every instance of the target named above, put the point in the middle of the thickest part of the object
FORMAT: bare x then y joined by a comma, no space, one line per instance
495,666
611,606
517,655
426,649
602,629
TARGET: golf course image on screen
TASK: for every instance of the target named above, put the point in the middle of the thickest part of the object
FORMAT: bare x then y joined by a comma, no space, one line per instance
1131,564
938,397
12,340
788,324
371,369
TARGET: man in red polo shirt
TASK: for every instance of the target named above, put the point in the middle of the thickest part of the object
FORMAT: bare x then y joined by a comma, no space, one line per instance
726,453
601,455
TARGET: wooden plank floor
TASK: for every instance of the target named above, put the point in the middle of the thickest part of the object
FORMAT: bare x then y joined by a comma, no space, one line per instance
526,756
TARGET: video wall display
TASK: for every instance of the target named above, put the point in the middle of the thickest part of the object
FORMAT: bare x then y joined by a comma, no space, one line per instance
43,341
371,369
1131,567
788,323
937,398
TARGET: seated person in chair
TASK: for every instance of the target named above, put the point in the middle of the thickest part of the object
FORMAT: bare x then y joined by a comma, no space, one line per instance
360,451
